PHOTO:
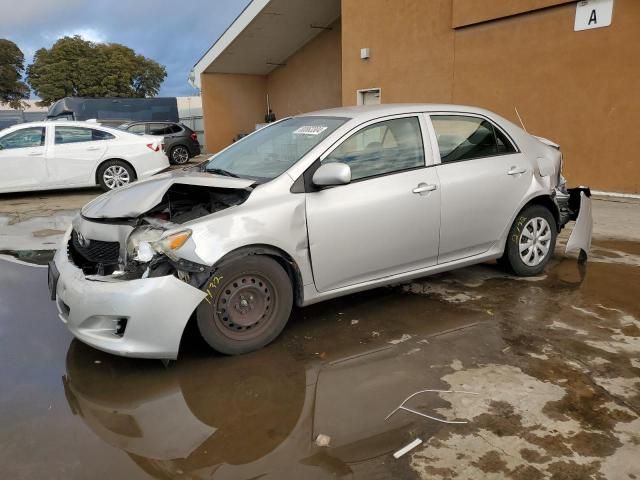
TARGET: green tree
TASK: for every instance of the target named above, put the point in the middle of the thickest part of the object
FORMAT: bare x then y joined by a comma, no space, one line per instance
12,89
74,67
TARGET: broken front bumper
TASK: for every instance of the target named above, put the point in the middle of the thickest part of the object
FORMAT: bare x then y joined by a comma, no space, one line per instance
142,318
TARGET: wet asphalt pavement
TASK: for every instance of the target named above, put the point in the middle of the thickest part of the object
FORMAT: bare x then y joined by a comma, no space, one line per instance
555,362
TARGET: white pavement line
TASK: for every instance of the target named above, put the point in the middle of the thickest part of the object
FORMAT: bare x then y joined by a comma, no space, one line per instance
407,448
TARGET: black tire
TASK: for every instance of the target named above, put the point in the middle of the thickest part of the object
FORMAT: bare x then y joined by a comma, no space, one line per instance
179,155
248,304
531,223
109,182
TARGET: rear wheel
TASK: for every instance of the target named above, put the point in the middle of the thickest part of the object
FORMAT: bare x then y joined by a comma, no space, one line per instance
115,173
531,241
179,155
248,304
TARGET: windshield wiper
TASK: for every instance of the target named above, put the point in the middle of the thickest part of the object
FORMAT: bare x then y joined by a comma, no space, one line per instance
221,171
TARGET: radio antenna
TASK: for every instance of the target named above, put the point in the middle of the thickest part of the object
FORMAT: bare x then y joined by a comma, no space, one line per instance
520,118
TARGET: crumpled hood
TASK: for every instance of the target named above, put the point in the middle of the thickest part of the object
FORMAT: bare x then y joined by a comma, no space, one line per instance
140,197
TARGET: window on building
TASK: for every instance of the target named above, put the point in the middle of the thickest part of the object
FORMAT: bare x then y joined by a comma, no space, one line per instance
66,135
24,138
382,148
465,138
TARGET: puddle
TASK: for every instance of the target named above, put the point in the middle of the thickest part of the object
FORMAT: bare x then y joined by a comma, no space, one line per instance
557,391
34,257
42,230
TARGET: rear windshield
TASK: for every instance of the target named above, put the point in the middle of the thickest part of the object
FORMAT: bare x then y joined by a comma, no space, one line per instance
272,150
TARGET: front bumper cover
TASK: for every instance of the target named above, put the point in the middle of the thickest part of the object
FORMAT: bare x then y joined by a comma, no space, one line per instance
142,318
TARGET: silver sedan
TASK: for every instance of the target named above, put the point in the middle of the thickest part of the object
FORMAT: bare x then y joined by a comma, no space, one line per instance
310,208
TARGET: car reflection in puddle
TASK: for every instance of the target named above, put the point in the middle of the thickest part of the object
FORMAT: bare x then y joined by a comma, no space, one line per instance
252,415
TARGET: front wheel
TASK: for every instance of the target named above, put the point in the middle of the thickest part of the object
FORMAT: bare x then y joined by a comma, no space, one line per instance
247,305
531,241
115,173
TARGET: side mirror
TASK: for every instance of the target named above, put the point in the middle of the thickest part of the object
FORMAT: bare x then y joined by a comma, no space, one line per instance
330,174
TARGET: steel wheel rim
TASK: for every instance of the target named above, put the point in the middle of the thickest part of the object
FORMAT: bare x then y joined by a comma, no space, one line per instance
116,176
535,242
245,307
180,155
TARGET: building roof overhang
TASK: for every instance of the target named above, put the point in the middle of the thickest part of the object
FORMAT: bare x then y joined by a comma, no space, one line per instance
265,34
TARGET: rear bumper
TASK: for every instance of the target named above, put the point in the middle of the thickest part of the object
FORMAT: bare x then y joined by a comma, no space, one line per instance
580,207
142,318
194,149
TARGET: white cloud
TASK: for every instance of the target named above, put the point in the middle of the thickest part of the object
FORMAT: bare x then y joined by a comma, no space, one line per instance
90,34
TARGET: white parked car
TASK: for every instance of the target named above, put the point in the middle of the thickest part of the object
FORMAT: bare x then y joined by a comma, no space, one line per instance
51,155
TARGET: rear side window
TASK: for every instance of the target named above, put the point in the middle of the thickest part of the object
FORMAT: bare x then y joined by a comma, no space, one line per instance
66,135
382,148
159,129
101,135
465,138
174,128
137,128
23,138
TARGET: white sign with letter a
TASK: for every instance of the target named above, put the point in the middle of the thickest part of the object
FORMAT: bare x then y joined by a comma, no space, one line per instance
593,14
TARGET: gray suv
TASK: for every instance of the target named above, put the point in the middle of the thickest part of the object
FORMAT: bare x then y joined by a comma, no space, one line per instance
180,142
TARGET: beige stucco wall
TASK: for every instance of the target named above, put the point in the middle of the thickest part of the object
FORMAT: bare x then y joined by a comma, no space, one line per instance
411,45
577,88
311,79
231,104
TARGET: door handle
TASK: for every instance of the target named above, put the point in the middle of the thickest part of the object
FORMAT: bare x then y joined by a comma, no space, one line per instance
35,154
516,171
93,148
423,188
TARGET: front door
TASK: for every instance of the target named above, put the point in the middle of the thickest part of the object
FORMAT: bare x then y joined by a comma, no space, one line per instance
483,177
22,159
387,220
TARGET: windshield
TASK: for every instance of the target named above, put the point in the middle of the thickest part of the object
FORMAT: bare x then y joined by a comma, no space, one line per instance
269,152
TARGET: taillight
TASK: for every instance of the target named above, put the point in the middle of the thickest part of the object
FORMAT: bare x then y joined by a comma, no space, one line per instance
153,146
194,136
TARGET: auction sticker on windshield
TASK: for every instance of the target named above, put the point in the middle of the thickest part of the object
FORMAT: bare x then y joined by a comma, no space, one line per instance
310,130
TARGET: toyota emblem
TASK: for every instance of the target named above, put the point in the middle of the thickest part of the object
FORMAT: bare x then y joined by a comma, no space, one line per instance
82,241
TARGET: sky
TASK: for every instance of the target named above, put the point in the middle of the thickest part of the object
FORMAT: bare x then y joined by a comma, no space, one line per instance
173,33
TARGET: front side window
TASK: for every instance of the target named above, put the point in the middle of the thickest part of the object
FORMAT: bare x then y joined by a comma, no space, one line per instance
382,148
66,135
23,138
465,138
274,149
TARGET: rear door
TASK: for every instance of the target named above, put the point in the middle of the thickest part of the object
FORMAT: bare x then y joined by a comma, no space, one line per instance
22,159
386,221
75,153
483,178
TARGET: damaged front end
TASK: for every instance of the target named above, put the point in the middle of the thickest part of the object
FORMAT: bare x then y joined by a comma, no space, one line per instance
146,246
127,279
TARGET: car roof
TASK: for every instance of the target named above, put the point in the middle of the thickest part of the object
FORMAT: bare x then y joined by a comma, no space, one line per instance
366,112
64,123
136,122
